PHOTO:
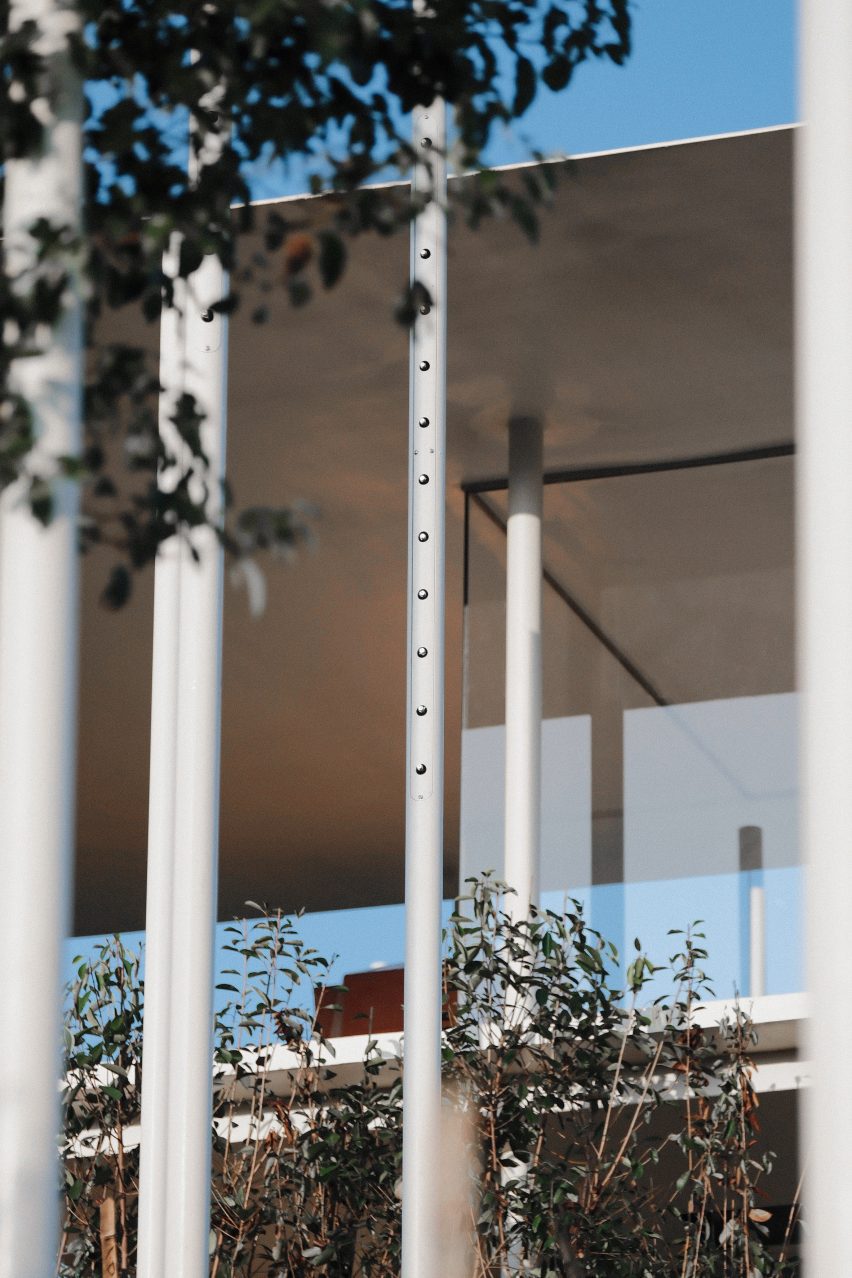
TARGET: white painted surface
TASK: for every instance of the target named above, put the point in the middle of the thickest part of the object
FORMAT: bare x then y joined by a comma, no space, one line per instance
38,674
161,821
523,666
184,819
421,1153
824,494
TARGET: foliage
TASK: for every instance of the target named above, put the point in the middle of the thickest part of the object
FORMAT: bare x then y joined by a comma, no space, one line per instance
321,89
584,1136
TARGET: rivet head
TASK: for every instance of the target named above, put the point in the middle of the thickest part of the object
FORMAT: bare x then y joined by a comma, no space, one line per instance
421,710
420,769
423,594
424,365
423,479
424,421
426,143
424,310
424,253
207,316
423,536
422,652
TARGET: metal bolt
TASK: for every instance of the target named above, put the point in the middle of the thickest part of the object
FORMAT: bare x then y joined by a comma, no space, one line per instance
423,536
422,652
423,479
424,310
421,710
420,769
424,421
423,594
424,253
427,142
207,316
424,365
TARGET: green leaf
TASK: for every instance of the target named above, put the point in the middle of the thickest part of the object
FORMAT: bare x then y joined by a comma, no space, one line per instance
332,258
525,85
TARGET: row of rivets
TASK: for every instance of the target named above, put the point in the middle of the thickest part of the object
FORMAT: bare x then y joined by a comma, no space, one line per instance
424,366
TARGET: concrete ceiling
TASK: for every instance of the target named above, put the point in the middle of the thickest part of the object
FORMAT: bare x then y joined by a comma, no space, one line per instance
652,321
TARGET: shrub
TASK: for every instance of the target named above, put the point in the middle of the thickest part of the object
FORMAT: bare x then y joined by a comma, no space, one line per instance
586,1134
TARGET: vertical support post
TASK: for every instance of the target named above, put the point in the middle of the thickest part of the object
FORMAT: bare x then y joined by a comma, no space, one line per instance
421,1255
184,818
824,522
38,679
752,889
523,665
156,1117
197,808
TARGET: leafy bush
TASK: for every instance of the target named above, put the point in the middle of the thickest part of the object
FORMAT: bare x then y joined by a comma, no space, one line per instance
585,1133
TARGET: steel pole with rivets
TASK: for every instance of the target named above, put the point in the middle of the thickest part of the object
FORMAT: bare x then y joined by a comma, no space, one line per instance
421,1151
824,604
38,671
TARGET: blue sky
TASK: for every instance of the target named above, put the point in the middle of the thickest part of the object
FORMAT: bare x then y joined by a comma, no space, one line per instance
698,67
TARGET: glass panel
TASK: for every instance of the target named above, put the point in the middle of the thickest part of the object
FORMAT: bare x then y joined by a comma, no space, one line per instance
669,789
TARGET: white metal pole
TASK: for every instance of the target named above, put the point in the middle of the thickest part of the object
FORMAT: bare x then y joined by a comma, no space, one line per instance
184,817
421,1253
156,1119
38,677
824,520
523,666
754,900
757,939
197,805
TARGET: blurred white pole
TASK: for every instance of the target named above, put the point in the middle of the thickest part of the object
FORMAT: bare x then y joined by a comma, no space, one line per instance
154,1151
824,519
184,820
197,806
756,940
751,883
523,666
38,682
421,1150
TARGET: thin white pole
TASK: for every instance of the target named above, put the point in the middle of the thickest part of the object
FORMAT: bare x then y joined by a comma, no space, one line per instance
752,886
184,817
38,677
421,1152
154,1152
757,940
824,520
197,805
523,666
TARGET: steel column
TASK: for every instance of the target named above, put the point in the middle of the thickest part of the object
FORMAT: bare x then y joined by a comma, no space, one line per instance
154,1150
38,680
824,523
183,833
523,665
421,1254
